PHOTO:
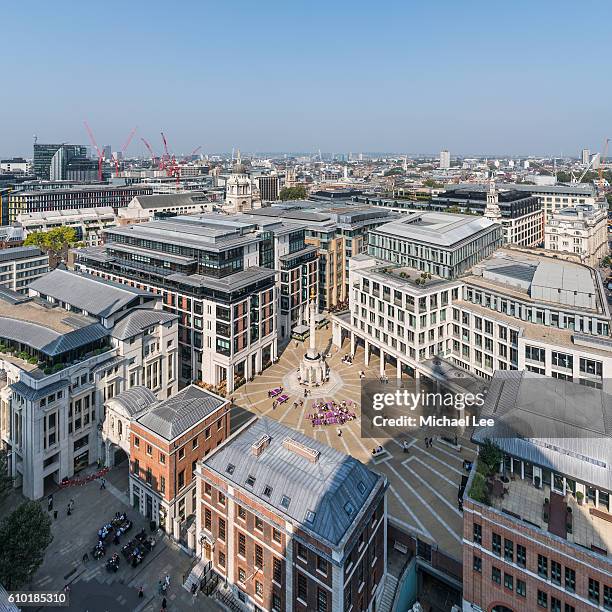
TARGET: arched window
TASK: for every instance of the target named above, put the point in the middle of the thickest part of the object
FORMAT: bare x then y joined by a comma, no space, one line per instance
119,426
501,609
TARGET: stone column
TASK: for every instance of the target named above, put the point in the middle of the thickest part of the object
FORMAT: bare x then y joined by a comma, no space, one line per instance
352,343
366,358
382,362
398,374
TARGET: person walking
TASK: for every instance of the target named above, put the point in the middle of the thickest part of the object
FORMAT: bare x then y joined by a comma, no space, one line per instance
55,515
50,502
141,592
102,484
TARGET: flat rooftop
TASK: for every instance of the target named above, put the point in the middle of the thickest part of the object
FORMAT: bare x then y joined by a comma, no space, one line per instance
436,228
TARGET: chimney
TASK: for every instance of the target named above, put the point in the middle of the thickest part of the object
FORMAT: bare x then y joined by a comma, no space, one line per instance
293,446
260,446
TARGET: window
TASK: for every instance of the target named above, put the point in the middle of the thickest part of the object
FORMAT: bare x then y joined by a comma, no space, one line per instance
542,599
594,590
194,442
221,499
521,555
162,484
477,564
496,575
207,519
162,458
477,533
277,570
258,589
221,559
569,608
181,479
149,450
570,579
276,602
285,501
555,572
302,587
509,581
207,489
542,566
267,491
222,529
181,453
302,552
521,588
241,575
259,525
258,556
607,599
136,441
230,468
242,545
496,544
242,513
508,550
321,565
321,600
555,605
250,481
276,536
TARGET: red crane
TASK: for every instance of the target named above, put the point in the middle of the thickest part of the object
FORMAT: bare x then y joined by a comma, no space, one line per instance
192,153
150,149
166,156
100,155
123,150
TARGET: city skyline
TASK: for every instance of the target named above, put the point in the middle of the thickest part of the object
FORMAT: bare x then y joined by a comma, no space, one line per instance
310,77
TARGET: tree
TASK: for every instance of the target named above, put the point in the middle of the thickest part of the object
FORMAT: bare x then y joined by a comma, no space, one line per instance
293,193
491,455
431,183
54,242
6,480
24,537
393,172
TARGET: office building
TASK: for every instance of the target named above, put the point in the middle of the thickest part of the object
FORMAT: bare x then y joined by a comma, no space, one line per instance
539,535
221,276
292,524
164,440
445,162
75,342
20,266
582,230
96,196
88,223
585,157
58,162
269,187
441,244
521,215
16,164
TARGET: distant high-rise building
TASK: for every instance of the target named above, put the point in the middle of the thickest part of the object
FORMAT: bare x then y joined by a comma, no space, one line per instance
58,162
596,161
444,160
586,156
107,152
268,187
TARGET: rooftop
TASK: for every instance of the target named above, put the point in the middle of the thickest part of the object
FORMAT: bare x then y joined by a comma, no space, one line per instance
319,488
148,202
138,320
97,296
439,229
24,252
174,416
541,278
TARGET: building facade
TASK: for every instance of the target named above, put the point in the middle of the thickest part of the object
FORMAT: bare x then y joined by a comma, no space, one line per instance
582,230
269,187
545,542
281,537
19,266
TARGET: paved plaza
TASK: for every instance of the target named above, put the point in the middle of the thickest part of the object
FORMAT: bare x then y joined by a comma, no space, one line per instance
424,482
92,587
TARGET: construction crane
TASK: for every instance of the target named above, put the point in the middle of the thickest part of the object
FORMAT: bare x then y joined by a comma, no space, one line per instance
123,150
100,155
150,149
166,156
192,153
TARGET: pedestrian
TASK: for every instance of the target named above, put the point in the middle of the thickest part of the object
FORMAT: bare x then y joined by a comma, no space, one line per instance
339,432
50,502
69,511
102,484
85,558
164,605
160,587
71,504
141,592
167,580
55,515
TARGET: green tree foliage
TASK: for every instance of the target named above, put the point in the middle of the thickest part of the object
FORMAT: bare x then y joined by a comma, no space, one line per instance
431,183
478,491
393,172
491,455
54,242
24,537
293,193
6,480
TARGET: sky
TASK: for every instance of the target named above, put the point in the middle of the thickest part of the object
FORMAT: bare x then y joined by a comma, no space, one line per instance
515,78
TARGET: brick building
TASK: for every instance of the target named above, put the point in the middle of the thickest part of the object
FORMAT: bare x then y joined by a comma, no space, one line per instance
291,523
541,539
166,440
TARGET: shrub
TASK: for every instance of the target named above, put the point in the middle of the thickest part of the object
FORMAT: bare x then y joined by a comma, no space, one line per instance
479,492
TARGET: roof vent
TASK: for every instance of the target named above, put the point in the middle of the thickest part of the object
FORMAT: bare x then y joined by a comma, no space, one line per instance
302,450
260,446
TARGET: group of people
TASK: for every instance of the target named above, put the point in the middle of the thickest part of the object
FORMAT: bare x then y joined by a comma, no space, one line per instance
348,359
331,413
111,532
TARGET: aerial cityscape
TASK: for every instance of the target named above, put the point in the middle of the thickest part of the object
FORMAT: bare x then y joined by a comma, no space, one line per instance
333,340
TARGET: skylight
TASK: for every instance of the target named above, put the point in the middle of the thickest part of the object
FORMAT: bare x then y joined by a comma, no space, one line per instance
285,501
250,481
310,516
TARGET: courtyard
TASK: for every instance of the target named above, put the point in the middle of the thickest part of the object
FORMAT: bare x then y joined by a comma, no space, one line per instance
424,482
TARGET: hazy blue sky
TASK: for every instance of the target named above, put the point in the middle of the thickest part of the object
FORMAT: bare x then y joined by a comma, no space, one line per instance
490,77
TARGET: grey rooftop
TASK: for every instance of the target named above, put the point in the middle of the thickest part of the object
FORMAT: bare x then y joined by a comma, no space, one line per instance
322,496
136,321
